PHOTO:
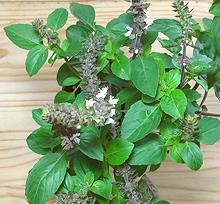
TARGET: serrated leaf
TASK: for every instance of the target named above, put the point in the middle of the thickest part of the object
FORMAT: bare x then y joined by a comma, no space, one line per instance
118,151
144,73
192,155
45,178
140,120
36,115
151,152
85,13
57,19
209,131
23,35
36,58
174,104
120,67
90,143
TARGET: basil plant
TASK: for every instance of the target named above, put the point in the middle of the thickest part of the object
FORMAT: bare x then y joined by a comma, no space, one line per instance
122,108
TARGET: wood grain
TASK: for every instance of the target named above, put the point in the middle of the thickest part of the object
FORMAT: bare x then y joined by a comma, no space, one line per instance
19,95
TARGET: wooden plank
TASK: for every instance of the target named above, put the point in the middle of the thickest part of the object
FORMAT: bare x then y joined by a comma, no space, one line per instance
19,95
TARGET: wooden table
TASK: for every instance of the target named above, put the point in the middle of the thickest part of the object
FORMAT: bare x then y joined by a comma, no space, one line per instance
19,94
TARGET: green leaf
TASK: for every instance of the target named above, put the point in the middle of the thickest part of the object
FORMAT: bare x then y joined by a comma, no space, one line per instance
36,58
207,22
102,187
202,82
90,144
70,48
176,152
192,155
120,67
172,79
217,90
215,8
140,120
57,19
45,178
144,73
41,141
23,35
174,104
36,115
209,129
76,32
168,129
64,97
85,13
191,95
82,164
169,27
151,152
66,77
215,31
118,151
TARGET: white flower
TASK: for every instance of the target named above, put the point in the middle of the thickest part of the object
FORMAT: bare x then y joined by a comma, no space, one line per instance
130,30
109,121
78,126
148,22
113,101
89,103
136,51
102,93
112,113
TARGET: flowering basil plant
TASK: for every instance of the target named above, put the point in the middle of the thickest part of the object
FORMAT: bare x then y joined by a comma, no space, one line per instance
123,108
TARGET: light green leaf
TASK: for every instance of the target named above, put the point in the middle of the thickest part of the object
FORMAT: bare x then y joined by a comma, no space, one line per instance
57,19
209,131
102,187
140,120
192,155
118,151
76,32
45,178
202,82
144,73
215,8
70,48
217,90
120,67
23,35
151,152
90,143
64,97
85,13
82,164
174,104
172,79
175,153
168,129
66,77
41,141
36,115
36,58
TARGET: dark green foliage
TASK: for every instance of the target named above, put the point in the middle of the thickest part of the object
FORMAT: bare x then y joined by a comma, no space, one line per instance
119,111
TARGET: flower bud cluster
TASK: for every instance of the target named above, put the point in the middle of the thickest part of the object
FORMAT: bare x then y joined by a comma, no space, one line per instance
189,127
135,32
101,108
88,70
133,190
45,32
71,198
65,119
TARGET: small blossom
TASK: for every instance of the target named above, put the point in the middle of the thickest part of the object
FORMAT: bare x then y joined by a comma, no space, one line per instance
149,22
78,126
113,101
112,113
109,121
102,93
136,51
129,32
89,103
